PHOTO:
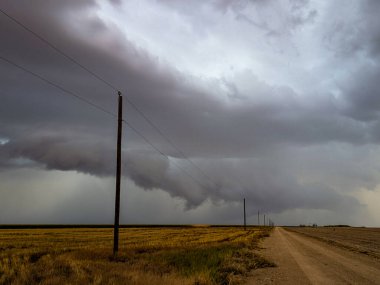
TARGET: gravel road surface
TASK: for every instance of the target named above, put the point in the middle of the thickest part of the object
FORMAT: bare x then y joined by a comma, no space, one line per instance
304,260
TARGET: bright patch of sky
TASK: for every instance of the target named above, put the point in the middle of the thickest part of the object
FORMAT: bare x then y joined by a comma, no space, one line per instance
276,46
3,141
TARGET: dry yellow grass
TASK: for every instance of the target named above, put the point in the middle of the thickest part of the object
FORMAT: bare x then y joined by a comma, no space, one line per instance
165,255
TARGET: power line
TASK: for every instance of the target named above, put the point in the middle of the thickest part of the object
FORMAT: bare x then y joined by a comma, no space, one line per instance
146,118
57,49
167,139
66,91
163,154
144,138
58,86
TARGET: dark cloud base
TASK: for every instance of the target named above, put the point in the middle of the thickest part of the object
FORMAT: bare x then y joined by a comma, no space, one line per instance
254,139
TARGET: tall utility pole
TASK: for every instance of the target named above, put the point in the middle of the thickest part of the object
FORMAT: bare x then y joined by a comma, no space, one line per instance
245,224
264,219
118,175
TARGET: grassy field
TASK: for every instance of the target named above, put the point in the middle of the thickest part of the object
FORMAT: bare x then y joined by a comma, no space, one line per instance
362,240
151,255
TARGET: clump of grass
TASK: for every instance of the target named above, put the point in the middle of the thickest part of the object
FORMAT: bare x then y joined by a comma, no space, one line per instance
240,263
192,262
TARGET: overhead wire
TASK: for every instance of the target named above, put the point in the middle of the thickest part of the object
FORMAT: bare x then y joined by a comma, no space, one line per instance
71,93
57,49
163,154
168,140
57,86
134,106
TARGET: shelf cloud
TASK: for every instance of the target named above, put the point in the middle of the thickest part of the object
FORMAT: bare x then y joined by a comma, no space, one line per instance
274,101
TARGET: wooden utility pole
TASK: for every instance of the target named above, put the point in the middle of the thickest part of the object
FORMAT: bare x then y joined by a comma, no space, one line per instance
118,175
245,224
264,219
258,218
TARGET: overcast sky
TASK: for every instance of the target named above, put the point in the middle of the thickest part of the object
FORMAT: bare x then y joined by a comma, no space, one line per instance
276,101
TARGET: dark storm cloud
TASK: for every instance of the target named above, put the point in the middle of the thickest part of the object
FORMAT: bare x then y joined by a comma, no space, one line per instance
52,152
239,137
356,37
355,30
269,184
363,94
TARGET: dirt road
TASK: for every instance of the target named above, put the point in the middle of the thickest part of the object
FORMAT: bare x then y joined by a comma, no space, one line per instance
304,260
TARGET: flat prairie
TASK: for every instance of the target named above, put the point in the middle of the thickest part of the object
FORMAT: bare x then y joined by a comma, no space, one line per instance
362,240
147,255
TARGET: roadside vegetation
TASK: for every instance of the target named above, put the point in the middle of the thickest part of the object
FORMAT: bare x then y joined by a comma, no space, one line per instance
152,255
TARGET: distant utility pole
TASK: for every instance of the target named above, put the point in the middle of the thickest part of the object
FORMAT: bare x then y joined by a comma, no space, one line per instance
118,175
245,224
258,218
264,219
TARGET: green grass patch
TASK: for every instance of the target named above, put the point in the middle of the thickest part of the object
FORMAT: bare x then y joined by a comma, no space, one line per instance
190,262
222,264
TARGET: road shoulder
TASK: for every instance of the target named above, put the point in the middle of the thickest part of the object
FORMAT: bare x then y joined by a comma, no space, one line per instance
287,271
